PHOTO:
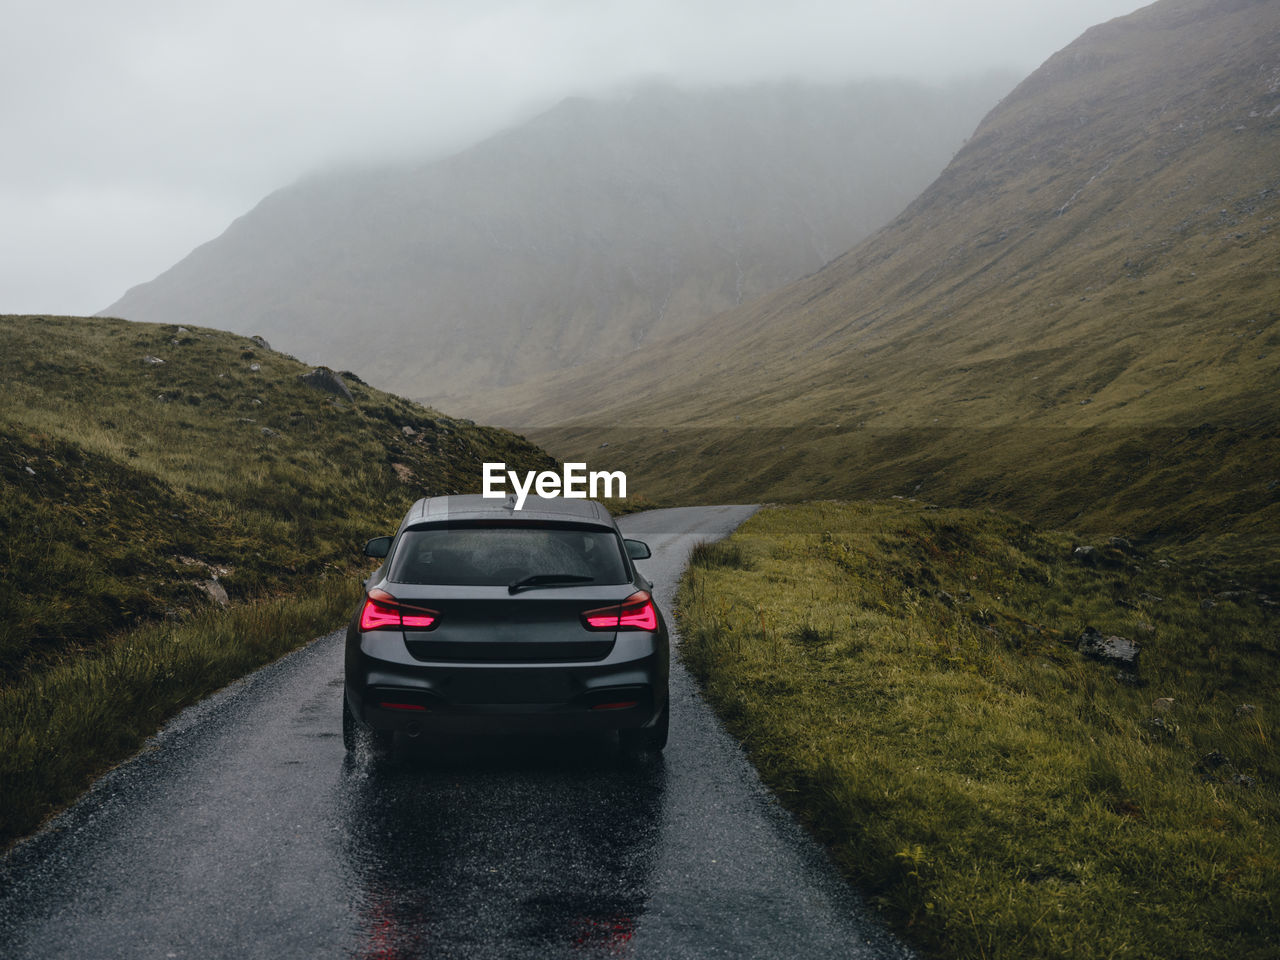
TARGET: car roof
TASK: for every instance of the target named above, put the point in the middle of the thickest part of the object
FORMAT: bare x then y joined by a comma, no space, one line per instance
534,509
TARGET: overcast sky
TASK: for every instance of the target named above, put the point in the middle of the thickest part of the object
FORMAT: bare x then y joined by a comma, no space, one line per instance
134,130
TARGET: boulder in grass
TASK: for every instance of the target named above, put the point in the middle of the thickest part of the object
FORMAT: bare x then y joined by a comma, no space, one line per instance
1117,651
215,591
1112,556
262,342
322,378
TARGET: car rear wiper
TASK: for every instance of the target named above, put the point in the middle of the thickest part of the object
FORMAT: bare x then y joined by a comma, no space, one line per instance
547,580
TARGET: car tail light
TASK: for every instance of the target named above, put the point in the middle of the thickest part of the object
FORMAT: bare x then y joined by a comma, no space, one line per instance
637,612
382,611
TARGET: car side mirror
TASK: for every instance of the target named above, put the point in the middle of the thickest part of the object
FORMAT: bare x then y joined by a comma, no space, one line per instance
638,549
378,547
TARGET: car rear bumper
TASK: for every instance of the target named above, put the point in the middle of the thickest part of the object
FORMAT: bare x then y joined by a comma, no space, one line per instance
390,692
502,719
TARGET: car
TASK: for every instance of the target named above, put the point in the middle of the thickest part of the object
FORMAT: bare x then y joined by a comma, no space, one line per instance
487,619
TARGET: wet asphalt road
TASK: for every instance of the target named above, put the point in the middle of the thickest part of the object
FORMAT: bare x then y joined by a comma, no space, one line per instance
244,831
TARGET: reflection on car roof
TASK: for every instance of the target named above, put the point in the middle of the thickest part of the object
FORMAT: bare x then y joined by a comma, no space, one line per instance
476,507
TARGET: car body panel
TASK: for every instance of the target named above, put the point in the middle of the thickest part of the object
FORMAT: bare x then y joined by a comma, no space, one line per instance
502,662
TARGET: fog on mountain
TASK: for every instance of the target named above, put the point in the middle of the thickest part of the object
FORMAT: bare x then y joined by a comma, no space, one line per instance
581,235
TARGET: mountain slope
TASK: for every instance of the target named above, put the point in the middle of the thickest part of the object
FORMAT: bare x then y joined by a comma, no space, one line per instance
149,470
581,235
1078,319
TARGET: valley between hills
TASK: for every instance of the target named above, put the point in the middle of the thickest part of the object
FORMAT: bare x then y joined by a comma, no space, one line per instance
1078,321
1031,417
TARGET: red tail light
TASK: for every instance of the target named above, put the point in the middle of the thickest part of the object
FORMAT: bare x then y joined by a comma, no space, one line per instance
637,612
382,611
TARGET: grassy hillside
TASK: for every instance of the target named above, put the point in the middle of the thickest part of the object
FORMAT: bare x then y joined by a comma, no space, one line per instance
177,507
131,487
1079,320
908,681
574,237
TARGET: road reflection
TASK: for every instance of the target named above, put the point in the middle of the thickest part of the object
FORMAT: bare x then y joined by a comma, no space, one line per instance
512,847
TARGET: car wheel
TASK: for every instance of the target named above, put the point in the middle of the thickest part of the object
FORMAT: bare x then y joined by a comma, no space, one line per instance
350,732
353,733
647,739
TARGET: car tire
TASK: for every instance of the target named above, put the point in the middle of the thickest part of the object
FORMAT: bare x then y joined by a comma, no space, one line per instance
352,733
647,739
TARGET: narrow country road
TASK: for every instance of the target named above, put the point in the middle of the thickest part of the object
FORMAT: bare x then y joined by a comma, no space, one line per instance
243,831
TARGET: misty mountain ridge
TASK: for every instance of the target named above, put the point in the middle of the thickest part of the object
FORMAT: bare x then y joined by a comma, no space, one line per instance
1079,319
580,235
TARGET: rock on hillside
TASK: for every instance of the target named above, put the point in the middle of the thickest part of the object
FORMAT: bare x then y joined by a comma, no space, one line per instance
581,235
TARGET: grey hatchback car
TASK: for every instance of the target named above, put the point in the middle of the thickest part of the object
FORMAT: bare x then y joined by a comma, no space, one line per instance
487,619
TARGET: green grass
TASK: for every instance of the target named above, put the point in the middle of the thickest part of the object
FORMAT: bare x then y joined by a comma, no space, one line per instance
64,726
128,489
905,678
126,485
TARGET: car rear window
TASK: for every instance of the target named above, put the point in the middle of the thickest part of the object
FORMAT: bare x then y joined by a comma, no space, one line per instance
494,555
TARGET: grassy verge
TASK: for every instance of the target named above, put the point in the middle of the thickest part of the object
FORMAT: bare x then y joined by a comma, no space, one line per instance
65,725
143,465
906,680
177,507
